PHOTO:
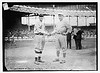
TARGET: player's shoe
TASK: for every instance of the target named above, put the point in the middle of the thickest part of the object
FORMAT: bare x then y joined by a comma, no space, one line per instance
36,62
41,61
62,61
56,60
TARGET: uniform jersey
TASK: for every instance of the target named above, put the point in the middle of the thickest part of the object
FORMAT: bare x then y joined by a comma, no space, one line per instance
39,27
62,27
39,39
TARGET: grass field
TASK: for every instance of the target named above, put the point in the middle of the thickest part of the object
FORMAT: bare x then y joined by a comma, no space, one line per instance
20,56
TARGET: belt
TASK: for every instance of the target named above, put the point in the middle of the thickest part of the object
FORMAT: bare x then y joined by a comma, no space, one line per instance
39,52
61,33
39,34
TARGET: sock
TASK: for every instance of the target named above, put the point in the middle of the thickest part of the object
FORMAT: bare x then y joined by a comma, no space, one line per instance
64,55
35,58
58,53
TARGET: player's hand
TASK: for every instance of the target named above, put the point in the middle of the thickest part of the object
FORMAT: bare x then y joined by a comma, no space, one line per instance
49,34
53,33
64,49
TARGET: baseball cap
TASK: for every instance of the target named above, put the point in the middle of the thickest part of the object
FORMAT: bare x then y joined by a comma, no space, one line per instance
60,14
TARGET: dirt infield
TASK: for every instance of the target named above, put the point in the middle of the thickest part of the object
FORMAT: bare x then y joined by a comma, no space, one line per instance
20,56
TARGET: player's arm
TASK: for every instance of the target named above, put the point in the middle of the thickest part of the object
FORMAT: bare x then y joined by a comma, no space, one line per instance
68,28
55,31
37,28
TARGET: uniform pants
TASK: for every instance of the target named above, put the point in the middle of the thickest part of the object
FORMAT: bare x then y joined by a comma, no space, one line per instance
39,44
60,44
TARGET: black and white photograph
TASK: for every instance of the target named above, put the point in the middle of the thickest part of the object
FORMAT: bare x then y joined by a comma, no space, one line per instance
50,36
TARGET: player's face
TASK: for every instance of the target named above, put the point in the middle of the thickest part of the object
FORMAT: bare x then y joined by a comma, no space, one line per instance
61,17
41,19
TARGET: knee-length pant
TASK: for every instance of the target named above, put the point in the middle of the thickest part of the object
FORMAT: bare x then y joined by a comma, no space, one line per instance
60,42
39,42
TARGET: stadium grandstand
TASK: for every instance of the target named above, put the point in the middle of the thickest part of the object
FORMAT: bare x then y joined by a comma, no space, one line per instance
23,16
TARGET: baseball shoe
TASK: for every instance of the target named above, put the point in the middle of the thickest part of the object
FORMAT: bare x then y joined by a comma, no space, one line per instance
63,61
56,60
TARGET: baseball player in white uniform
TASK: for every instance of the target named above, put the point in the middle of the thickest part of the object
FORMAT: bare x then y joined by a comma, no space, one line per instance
39,38
61,28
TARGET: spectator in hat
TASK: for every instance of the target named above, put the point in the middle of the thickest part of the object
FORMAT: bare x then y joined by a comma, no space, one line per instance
69,33
78,39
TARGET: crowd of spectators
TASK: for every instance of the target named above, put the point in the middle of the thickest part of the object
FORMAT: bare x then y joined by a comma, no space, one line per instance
89,33
22,33
19,33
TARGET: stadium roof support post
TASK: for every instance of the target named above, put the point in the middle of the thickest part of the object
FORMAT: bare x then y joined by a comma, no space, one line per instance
53,15
28,23
77,20
86,20
94,19
69,19
28,28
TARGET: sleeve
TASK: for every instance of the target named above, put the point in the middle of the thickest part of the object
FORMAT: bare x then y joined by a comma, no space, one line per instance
38,27
69,27
42,28
55,30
